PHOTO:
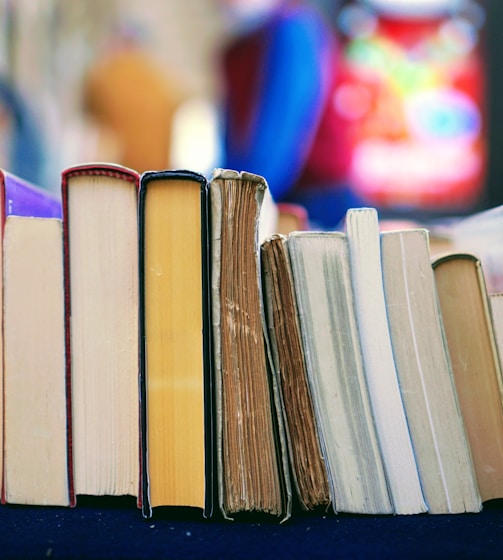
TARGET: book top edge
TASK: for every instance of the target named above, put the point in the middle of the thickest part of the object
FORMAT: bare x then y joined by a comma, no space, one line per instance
220,173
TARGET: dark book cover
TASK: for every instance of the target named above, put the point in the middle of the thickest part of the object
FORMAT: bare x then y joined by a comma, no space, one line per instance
146,179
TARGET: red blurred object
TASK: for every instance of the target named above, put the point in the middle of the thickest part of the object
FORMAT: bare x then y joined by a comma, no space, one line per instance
411,102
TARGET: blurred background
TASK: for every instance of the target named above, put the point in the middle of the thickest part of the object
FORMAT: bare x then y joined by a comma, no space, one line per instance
417,99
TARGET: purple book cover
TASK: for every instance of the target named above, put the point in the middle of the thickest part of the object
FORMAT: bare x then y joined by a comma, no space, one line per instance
21,198
18,197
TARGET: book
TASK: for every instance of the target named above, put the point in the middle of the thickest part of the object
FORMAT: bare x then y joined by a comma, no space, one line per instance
475,362
100,236
309,473
425,375
175,353
362,231
37,441
335,369
252,463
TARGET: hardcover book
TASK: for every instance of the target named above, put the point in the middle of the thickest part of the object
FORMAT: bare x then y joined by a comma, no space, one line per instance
472,345
175,352
37,461
100,226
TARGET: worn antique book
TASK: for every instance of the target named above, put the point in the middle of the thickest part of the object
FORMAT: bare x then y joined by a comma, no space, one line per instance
392,429
100,209
309,473
472,345
252,462
37,443
175,354
425,374
335,368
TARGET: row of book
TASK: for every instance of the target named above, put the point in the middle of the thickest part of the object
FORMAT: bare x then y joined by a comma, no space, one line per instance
156,343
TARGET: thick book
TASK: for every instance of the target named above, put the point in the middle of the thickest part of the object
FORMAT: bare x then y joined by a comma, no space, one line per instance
335,368
309,472
37,465
472,345
362,230
175,352
100,233
252,461
425,374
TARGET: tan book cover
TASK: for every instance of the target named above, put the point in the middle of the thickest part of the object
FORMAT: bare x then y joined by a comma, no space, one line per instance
472,347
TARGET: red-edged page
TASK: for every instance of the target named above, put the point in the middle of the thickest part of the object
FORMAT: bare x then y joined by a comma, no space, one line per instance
86,169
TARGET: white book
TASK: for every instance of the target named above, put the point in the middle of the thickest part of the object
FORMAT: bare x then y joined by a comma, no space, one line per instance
322,282
362,229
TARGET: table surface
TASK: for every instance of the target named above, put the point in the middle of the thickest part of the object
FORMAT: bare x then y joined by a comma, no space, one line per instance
114,528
